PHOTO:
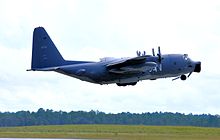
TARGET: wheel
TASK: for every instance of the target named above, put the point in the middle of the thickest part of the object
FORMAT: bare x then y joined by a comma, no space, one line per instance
183,77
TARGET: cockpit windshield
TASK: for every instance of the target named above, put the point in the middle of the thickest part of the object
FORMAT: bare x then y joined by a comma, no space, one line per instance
185,56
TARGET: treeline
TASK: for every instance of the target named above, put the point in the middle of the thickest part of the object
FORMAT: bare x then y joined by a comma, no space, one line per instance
50,117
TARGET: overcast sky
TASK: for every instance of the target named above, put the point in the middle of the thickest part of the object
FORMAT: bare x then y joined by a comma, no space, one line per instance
89,30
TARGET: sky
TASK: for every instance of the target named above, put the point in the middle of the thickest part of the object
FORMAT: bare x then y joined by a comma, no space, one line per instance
89,30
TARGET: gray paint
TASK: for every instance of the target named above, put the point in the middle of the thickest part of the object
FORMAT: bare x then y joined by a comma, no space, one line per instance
122,71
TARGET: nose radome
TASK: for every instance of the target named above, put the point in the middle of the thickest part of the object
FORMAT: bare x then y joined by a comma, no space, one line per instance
197,67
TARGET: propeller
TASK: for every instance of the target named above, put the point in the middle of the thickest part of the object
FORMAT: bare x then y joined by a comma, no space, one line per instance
159,54
159,58
153,52
138,53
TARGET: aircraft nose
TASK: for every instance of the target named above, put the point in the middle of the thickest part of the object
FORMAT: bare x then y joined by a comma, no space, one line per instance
197,67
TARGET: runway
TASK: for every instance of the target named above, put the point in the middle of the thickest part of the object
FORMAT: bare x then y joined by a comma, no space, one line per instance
37,139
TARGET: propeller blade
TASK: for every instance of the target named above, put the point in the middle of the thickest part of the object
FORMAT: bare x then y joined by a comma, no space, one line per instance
153,52
159,54
159,50
144,53
138,53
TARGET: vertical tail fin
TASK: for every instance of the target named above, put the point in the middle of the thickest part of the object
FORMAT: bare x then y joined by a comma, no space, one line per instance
44,52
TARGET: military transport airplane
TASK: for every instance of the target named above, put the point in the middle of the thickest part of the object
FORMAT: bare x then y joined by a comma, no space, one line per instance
122,71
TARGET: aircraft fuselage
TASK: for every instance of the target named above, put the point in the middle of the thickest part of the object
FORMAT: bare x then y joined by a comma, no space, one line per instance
122,71
172,65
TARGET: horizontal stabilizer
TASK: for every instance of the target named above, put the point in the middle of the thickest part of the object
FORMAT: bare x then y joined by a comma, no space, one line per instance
44,69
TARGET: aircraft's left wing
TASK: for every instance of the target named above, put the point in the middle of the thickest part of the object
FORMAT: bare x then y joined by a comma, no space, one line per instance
128,61
131,65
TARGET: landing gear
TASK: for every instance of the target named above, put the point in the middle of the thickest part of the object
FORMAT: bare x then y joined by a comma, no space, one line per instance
183,77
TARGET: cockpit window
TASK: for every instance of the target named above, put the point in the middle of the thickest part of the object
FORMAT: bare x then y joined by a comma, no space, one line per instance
185,56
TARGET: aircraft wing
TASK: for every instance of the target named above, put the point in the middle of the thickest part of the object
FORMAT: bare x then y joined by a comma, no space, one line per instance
131,65
129,61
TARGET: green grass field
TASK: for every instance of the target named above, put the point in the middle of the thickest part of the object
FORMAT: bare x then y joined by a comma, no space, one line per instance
121,132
